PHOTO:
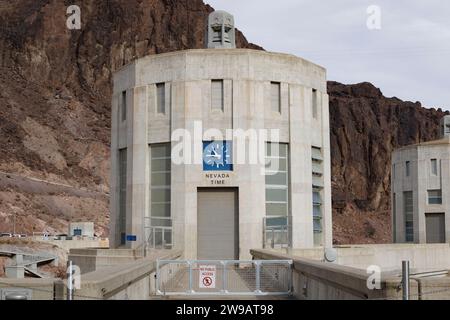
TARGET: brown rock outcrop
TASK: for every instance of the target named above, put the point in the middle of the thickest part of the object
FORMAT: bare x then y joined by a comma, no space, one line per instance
365,128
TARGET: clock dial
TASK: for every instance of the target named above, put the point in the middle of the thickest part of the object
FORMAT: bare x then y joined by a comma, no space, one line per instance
217,156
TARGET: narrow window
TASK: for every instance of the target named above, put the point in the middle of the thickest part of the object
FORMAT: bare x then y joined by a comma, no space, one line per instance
394,217
408,168
277,218
217,95
160,197
275,92
123,105
122,195
161,98
314,103
317,180
394,173
434,196
434,167
408,216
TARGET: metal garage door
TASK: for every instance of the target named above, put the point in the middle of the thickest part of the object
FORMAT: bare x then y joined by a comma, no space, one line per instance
435,227
217,228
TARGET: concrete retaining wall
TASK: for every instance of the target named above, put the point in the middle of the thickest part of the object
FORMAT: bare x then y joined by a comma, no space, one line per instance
129,281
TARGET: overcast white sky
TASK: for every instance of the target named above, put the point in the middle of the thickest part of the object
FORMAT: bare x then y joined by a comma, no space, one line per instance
408,58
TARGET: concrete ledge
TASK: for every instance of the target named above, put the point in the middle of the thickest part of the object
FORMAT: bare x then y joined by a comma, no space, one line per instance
125,281
42,289
434,288
328,281
89,260
97,252
422,257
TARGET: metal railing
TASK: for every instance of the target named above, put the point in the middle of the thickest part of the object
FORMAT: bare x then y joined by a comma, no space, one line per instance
158,237
224,277
276,232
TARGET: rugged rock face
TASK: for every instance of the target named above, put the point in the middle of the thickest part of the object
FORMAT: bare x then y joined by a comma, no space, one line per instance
365,128
55,88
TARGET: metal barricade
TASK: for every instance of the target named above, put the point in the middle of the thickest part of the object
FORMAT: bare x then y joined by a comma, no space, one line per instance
276,232
158,237
224,277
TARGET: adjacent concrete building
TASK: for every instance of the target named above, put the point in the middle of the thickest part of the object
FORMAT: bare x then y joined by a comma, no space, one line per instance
82,229
421,190
219,207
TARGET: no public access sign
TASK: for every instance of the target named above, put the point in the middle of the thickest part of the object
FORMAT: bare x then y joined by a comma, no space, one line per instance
207,277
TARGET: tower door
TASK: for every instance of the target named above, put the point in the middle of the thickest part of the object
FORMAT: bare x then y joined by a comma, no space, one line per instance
217,225
435,227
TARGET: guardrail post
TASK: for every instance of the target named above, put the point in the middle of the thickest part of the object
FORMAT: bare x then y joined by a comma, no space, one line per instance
157,276
163,244
405,279
224,276
258,277
191,280
273,239
291,276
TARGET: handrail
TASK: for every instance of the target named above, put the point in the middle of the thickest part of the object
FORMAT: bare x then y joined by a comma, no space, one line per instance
282,231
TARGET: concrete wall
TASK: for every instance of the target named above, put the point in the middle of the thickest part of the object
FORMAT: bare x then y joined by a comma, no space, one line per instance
389,257
76,244
247,75
41,289
316,280
129,281
313,278
419,182
89,260
87,228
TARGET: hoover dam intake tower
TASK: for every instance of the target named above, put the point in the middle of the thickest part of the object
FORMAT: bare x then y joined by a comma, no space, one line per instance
220,150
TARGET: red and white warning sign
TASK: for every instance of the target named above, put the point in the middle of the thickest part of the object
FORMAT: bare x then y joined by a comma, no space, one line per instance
207,277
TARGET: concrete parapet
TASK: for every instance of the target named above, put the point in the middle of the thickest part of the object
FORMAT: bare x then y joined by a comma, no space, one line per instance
42,289
89,260
317,280
130,281
434,288
422,257
76,243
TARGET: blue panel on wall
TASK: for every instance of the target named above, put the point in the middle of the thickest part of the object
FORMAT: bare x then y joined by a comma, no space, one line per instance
217,156
131,237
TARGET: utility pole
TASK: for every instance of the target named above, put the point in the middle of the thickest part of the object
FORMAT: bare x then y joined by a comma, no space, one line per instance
405,279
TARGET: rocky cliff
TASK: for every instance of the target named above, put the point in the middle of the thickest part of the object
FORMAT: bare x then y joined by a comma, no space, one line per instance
55,87
365,128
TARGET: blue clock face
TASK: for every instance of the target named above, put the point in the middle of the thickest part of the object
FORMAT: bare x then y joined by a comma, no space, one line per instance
217,156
